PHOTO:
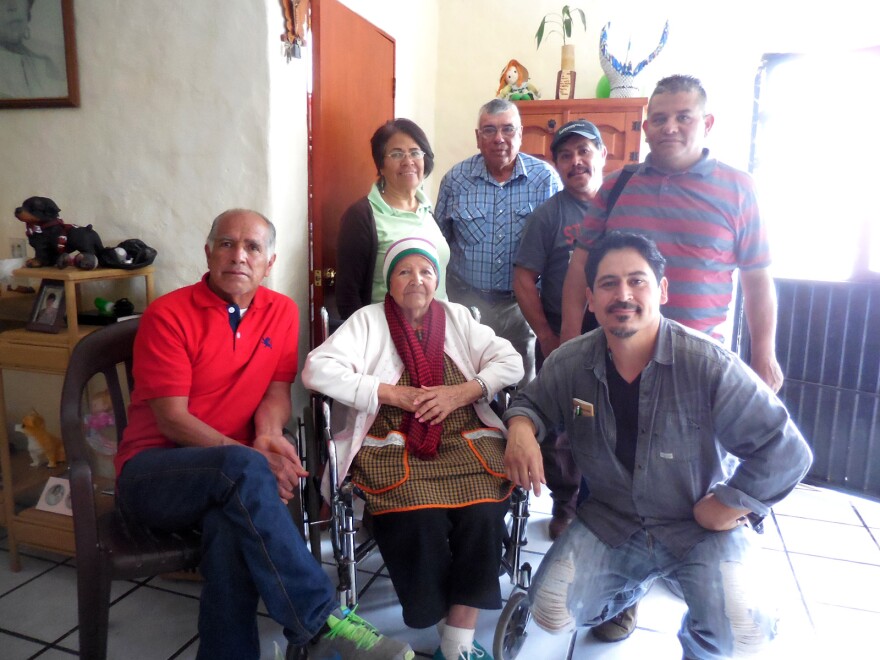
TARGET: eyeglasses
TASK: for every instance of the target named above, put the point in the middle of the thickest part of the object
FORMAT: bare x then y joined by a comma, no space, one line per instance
508,130
400,154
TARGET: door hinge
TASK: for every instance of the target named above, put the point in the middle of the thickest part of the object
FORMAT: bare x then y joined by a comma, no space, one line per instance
317,274
637,126
634,156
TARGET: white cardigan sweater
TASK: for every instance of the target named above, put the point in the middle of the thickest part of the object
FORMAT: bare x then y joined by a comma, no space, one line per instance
360,355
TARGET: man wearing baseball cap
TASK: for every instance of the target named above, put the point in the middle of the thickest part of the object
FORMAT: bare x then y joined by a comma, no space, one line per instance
547,241
548,238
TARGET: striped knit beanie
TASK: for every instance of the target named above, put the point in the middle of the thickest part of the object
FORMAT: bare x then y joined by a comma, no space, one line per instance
404,248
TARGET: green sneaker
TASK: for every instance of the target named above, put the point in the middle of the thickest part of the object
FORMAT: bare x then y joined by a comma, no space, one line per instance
479,653
352,638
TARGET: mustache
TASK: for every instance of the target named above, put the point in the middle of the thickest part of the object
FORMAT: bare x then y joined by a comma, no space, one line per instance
580,170
625,306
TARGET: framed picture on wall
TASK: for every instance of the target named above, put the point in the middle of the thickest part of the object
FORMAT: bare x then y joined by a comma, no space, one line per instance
47,314
38,54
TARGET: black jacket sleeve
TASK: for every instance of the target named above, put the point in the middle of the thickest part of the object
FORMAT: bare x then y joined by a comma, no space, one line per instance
356,249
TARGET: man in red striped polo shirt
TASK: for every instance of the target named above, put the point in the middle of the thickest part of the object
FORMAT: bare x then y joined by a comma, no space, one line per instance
704,217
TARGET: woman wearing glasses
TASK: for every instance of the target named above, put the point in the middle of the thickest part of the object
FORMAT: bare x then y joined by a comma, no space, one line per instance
396,207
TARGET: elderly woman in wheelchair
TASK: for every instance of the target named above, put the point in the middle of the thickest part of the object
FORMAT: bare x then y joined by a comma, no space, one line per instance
416,376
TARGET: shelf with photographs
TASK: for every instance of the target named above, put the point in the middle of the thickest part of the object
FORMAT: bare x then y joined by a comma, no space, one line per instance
63,284
44,352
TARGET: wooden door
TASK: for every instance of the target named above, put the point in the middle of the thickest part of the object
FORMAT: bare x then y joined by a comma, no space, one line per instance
352,95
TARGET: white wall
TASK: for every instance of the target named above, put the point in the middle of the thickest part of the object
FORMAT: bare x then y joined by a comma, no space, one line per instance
174,127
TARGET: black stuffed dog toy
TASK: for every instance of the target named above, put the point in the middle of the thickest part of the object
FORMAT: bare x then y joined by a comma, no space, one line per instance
54,242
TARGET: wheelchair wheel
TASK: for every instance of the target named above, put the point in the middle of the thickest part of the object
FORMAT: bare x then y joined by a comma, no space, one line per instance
510,634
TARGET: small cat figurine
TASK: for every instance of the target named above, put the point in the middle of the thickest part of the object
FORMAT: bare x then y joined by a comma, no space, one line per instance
41,443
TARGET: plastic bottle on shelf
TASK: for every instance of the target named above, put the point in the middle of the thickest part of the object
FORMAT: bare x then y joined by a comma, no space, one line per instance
105,307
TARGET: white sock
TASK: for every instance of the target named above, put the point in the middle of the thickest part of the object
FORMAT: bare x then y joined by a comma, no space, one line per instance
441,626
456,641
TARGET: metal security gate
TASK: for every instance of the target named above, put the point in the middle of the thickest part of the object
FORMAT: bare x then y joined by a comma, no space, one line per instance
828,343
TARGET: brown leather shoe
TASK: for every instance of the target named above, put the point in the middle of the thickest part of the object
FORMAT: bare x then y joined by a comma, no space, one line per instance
618,628
558,524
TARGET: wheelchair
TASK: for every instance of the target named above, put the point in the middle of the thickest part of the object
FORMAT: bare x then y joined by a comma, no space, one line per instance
317,452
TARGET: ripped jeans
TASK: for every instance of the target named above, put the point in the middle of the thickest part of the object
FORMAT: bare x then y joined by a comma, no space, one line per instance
583,582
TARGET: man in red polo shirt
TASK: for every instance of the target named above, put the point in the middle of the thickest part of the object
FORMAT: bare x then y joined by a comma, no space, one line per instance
213,365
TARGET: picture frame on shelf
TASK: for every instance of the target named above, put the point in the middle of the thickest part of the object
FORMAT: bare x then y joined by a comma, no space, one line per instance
47,314
38,67
55,497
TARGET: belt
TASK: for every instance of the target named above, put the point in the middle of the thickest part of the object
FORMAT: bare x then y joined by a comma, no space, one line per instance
494,295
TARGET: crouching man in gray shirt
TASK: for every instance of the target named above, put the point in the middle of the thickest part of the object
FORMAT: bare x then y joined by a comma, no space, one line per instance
684,449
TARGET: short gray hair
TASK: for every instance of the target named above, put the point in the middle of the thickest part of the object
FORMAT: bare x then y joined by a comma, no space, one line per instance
497,107
212,235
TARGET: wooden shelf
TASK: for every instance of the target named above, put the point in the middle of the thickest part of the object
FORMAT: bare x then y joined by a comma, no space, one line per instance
27,481
71,274
40,352
45,530
25,350
618,120
71,277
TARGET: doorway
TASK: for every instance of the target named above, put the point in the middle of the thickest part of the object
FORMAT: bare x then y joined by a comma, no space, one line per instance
352,95
824,234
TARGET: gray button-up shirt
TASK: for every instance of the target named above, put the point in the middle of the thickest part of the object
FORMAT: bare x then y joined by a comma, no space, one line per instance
707,423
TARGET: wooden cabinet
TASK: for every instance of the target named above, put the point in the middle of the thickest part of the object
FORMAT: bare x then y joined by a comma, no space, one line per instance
619,121
25,350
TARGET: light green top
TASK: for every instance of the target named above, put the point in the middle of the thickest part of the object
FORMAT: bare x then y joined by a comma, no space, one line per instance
393,225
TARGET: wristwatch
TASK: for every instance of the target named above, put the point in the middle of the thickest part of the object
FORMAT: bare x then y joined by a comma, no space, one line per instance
483,387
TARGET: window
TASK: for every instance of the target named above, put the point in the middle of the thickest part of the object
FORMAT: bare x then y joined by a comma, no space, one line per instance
816,160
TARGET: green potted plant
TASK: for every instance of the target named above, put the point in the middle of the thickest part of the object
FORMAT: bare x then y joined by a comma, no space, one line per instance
561,24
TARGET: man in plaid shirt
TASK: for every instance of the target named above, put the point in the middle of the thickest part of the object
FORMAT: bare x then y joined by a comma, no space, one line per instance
481,209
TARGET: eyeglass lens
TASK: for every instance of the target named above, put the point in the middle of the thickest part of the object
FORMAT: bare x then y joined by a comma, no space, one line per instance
399,154
491,131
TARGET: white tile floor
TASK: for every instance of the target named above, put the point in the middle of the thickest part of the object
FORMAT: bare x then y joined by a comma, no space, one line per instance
821,549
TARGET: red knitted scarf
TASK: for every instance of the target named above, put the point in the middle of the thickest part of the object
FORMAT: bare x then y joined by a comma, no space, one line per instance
423,361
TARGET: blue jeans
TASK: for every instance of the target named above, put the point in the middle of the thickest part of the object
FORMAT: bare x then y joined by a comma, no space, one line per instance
583,582
251,548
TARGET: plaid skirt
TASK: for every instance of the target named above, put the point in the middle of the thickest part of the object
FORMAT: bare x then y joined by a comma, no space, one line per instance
468,468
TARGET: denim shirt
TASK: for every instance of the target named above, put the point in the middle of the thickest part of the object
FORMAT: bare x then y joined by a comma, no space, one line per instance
707,424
